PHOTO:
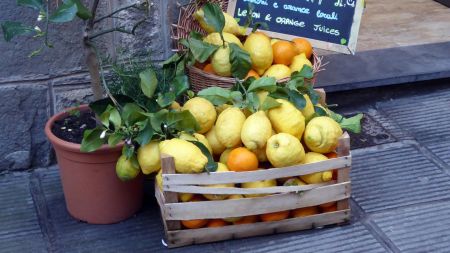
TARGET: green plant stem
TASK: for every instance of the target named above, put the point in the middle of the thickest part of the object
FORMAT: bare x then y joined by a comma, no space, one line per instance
114,29
110,15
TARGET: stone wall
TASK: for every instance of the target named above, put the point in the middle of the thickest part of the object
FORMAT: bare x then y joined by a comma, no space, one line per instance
32,89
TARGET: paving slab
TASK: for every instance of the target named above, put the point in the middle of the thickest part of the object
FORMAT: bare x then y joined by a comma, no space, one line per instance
396,175
441,149
422,228
20,230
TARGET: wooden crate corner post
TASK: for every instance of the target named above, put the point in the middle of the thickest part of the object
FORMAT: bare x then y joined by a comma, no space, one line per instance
344,174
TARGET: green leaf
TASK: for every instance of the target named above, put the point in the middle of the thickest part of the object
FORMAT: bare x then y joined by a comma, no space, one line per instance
12,29
158,119
214,17
201,50
211,166
174,59
149,82
104,118
114,117
306,72
100,106
236,96
240,61
352,124
216,95
196,35
114,139
145,134
91,140
34,4
128,151
264,83
166,99
65,13
313,95
253,102
297,99
280,92
319,111
269,103
82,11
132,113
180,85
186,121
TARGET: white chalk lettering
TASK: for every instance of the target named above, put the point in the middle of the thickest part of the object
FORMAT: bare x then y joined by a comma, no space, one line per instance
324,29
288,21
332,16
302,10
260,2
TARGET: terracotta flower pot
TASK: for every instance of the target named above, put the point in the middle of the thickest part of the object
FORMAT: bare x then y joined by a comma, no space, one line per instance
92,190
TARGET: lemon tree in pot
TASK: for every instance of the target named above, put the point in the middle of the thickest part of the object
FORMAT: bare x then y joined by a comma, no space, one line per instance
92,190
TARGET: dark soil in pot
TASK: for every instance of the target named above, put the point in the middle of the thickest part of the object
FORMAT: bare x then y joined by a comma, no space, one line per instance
71,128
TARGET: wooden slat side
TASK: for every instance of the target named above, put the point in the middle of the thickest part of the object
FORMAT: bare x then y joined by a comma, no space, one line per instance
205,235
251,176
168,166
252,206
344,174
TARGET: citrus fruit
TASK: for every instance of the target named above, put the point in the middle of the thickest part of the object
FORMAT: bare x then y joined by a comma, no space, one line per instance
259,184
221,108
260,50
322,134
293,182
327,205
224,156
175,106
159,180
318,177
308,111
231,25
284,150
221,61
286,118
215,144
262,95
284,52
242,159
298,62
193,224
329,209
306,211
221,168
209,69
185,197
278,71
256,131
215,39
203,111
261,154
273,41
201,138
252,73
228,127
216,223
277,216
125,169
247,220
149,157
188,157
303,46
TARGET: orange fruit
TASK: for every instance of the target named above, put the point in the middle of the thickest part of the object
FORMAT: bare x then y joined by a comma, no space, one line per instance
247,220
209,69
193,224
284,52
306,211
242,159
216,223
277,216
332,208
303,46
252,73
327,205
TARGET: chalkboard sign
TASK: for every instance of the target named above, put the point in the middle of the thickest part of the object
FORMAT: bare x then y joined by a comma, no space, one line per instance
328,24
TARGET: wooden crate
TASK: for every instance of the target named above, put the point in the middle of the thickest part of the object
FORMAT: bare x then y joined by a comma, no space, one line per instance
281,198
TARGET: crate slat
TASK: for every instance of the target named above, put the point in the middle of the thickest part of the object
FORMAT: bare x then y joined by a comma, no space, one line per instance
344,174
258,205
237,190
168,166
204,235
251,176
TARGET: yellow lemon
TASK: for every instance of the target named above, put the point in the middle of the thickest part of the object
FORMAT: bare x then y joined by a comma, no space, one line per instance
308,111
322,134
256,131
215,39
260,50
284,150
224,156
261,154
298,62
203,111
262,95
188,157
221,108
221,168
201,138
228,127
294,182
175,106
231,25
318,177
149,158
184,197
216,146
125,169
221,61
286,118
259,184
278,71
273,41
159,180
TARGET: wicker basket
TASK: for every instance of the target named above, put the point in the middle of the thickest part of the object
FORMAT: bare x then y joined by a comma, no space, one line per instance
200,79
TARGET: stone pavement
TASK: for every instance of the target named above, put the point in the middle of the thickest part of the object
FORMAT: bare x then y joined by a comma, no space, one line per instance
400,201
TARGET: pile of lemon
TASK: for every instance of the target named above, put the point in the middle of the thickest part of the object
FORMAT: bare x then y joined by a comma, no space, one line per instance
270,57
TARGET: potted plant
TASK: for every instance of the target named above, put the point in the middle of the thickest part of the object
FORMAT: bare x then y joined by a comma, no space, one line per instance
92,190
